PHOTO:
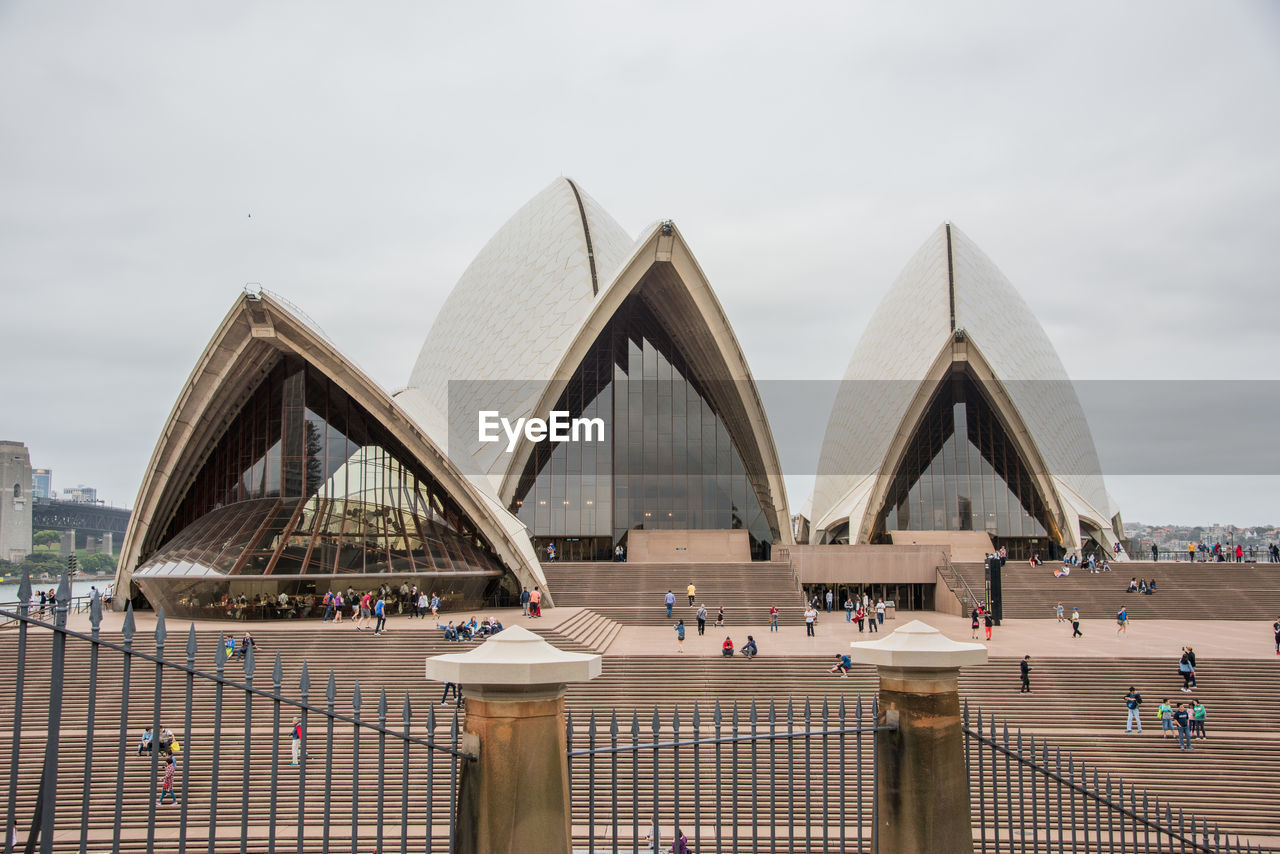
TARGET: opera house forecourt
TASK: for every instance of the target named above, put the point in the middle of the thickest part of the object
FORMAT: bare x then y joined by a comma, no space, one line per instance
581,396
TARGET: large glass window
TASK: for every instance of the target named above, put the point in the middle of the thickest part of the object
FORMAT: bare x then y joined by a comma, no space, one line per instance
961,472
667,461
304,481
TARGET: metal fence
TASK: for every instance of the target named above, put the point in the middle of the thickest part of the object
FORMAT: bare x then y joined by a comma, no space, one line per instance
98,790
1026,797
736,779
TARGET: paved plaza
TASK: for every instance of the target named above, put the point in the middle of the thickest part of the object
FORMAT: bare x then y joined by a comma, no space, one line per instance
1240,639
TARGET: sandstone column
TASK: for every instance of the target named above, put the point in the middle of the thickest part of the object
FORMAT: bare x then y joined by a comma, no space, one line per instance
923,801
515,797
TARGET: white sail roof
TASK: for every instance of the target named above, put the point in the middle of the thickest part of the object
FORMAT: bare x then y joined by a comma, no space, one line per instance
947,286
514,312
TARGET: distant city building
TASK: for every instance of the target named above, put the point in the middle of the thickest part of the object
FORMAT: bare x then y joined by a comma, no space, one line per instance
15,501
42,483
80,494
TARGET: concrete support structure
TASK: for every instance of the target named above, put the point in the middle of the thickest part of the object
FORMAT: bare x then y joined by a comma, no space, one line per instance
15,501
67,545
515,795
923,801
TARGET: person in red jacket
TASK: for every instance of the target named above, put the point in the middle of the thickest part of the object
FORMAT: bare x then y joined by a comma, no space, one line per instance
726,648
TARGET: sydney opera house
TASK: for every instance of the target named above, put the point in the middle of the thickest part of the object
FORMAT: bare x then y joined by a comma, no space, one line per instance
284,471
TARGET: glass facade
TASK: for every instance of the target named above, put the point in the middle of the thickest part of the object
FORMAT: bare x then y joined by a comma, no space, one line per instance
667,460
961,472
304,482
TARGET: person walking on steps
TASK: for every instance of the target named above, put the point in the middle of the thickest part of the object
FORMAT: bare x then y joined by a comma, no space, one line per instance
691,590
702,619
1122,622
679,627
1025,668
166,785
670,600
1276,628
1133,701
974,622
1185,670
773,624
810,614
1075,624
988,621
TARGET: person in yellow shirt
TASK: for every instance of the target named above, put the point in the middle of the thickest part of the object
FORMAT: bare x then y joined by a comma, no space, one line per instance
691,590
1191,552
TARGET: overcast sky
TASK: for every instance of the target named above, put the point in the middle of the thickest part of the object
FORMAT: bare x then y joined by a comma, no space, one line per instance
1116,160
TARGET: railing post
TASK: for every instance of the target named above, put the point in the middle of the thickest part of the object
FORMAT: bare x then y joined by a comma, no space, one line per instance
49,777
922,798
514,687
11,820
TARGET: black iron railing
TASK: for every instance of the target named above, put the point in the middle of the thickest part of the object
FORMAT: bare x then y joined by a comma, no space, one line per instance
428,765
753,779
1026,797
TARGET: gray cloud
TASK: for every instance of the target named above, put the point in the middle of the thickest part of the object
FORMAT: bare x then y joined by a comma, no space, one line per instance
1116,160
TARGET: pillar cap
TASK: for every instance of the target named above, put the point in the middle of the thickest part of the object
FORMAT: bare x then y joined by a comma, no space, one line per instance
514,657
918,645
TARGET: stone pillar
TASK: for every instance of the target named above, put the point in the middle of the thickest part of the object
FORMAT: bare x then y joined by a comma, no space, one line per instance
515,796
108,544
67,546
923,797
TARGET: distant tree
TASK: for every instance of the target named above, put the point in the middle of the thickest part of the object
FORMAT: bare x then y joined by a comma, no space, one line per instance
43,558
98,563
45,538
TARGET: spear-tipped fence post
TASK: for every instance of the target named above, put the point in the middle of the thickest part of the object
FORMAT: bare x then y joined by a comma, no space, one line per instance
406,715
356,703
192,649
24,606
95,627
277,682
220,667
331,697
249,667
304,692
49,776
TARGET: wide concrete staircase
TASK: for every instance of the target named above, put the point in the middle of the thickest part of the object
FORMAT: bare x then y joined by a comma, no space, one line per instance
1185,591
632,593
1232,778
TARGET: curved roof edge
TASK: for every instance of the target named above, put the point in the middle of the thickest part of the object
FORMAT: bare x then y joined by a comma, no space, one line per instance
513,310
662,243
244,346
